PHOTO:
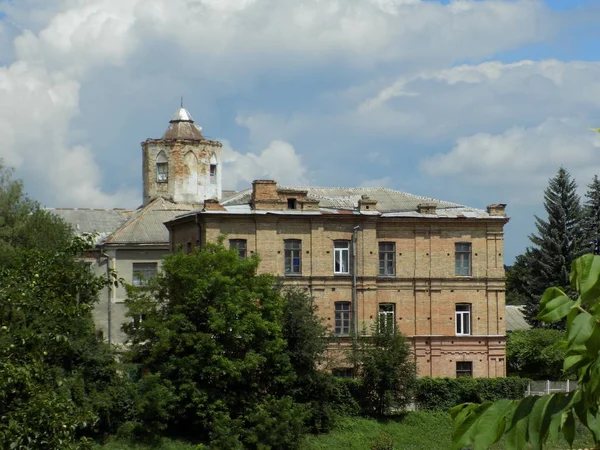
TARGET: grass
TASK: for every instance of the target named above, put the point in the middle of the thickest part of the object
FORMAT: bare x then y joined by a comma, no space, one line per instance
410,431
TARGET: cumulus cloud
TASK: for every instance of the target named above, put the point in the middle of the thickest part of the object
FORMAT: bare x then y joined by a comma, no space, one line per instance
521,159
279,162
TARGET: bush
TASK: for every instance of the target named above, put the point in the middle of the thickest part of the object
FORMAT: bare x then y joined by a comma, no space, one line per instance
383,442
536,354
435,394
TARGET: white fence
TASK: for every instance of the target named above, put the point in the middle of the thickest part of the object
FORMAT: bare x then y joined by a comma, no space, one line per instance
544,387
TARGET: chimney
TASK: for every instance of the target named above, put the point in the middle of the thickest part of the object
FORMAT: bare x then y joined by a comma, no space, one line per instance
367,204
264,194
426,208
212,204
498,209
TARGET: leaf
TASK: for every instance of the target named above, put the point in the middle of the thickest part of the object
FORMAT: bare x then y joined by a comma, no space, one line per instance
555,408
554,305
491,424
585,277
539,421
568,427
464,424
593,343
581,329
516,435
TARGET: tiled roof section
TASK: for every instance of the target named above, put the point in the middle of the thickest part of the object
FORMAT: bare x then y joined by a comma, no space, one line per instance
515,318
146,225
103,222
389,201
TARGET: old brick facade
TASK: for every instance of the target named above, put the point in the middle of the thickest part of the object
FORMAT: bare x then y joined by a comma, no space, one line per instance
422,263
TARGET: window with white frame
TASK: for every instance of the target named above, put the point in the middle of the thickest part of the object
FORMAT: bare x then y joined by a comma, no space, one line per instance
341,257
213,169
387,260
463,319
462,259
293,256
162,168
342,318
239,245
143,272
387,314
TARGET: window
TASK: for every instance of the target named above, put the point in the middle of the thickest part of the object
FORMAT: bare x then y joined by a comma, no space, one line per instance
162,172
137,319
462,252
387,317
291,203
142,272
239,245
464,369
343,372
293,251
463,319
213,173
387,261
188,248
341,257
342,318
162,168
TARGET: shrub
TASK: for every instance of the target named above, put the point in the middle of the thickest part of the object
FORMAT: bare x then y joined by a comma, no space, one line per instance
444,393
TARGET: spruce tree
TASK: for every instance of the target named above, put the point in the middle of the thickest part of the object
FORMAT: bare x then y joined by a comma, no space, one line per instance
591,217
559,240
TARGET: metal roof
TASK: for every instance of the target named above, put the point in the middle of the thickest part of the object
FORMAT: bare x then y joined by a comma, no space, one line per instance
146,225
515,318
103,222
181,127
182,115
390,203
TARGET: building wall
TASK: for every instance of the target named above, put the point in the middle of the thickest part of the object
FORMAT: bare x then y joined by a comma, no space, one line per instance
121,260
188,170
425,289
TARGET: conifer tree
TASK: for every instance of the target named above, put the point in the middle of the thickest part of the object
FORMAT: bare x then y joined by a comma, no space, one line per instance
558,242
591,217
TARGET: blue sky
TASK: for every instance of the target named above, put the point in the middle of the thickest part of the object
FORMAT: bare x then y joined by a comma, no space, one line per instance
475,102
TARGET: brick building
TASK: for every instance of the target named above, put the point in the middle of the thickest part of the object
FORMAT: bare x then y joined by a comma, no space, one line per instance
372,254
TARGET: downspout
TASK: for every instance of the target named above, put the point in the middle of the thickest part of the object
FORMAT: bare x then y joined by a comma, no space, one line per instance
108,296
354,287
199,231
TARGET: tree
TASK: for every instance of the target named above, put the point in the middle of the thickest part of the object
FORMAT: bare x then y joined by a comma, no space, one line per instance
518,280
535,354
212,337
559,240
531,422
591,217
386,369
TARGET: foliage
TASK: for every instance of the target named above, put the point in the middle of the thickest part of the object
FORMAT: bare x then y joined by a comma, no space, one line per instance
536,354
441,394
591,217
535,420
386,369
518,280
559,240
213,336
383,442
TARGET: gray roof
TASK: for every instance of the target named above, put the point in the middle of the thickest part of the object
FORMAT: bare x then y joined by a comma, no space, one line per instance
390,203
146,225
515,318
103,222
181,127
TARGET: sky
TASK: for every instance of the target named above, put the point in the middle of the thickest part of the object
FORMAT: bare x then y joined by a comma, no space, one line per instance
474,102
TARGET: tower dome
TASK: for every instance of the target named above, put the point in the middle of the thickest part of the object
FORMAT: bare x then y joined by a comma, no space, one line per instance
182,127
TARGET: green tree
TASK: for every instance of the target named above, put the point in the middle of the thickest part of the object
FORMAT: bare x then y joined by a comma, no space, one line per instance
531,422
535,354
386,369
518,280
591,216
559,240
212,337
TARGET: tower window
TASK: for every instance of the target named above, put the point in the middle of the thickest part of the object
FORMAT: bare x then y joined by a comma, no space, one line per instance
291,203
162,172
213,173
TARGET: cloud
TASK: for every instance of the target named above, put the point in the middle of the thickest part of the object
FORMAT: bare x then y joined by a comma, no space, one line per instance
520,160
279,161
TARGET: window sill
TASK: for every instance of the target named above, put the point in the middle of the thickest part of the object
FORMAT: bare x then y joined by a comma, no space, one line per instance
386,276
463,276
341,274
292,275
463,335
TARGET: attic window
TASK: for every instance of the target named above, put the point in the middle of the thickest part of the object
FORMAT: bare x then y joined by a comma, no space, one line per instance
291,203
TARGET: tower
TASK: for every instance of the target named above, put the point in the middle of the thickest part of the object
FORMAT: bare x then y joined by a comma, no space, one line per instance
182,165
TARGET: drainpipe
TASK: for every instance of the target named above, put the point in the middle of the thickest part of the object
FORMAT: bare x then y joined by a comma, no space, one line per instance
354,292
199,230
108,296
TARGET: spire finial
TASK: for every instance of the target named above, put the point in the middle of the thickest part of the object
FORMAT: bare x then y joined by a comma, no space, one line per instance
182,101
